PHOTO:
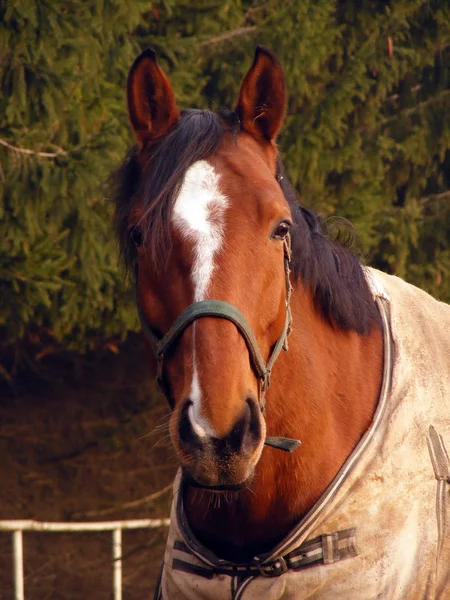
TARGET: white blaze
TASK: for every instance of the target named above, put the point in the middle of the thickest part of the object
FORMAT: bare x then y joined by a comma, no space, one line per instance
199,215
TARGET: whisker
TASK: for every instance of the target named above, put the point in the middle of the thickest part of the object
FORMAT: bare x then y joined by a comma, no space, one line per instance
156,429
163,439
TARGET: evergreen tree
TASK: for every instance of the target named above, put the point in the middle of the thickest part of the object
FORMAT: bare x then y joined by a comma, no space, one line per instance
367,134
63,126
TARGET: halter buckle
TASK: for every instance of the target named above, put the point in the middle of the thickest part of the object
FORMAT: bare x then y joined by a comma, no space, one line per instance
265,381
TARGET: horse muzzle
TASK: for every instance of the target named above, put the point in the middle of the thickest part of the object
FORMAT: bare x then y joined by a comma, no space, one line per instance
225,463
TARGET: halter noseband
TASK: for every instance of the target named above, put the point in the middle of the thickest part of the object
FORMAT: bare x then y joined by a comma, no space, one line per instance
222,310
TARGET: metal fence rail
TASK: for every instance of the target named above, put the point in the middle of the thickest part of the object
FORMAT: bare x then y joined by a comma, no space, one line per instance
17,527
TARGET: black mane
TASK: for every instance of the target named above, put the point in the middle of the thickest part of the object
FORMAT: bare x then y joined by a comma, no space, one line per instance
327,266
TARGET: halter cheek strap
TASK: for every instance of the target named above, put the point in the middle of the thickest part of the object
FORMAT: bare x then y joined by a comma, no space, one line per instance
223,310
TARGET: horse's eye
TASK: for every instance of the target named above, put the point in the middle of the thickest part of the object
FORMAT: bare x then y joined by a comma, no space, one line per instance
135,236
282,230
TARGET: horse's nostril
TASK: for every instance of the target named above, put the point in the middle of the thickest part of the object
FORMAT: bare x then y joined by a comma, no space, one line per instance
237,435
247,431
243,437
255,427
188,436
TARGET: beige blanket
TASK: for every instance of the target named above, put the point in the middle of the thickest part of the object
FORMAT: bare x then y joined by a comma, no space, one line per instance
389,502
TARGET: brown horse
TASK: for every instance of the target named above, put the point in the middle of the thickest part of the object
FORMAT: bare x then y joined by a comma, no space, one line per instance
210,224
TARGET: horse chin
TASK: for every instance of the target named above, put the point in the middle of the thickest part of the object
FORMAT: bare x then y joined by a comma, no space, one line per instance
217,485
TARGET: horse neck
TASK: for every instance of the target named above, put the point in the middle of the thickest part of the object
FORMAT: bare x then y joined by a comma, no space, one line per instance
324,392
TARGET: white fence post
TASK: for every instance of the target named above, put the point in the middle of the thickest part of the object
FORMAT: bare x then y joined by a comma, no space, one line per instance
117,563
17,527
18,564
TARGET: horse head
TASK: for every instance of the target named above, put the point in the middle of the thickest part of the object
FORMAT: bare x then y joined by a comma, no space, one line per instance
208,220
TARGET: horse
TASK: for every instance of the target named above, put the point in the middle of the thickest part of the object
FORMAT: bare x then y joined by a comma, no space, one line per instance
309,393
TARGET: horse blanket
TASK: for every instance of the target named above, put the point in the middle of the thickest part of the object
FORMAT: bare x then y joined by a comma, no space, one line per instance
381,530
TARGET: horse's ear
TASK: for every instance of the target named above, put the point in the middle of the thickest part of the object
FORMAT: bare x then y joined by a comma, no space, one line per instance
151,102
262,97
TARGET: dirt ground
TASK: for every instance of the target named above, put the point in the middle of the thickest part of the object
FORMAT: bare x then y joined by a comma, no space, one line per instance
78,446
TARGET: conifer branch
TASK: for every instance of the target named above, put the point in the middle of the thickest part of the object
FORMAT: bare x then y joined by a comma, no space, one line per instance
249,16
228,35
395,97
413,109
59,151
442,196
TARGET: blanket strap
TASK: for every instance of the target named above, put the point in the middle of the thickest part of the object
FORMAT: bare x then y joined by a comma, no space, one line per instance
438,455
324,549
441,466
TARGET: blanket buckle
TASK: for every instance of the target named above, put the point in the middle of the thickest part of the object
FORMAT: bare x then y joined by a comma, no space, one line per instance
278,567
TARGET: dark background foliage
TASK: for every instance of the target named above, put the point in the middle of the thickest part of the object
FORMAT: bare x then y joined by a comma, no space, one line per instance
367,137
